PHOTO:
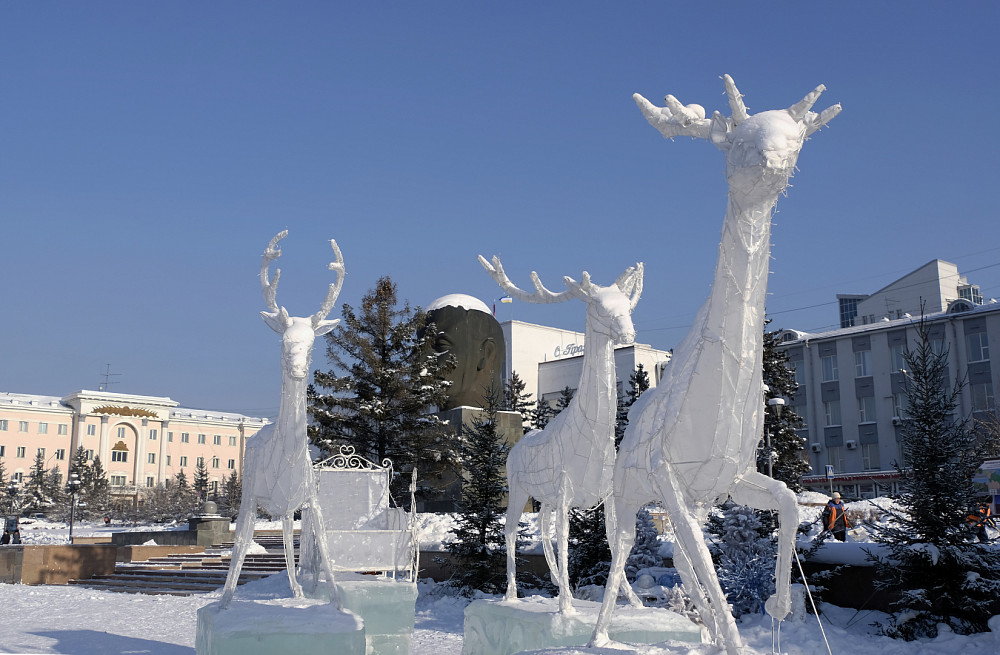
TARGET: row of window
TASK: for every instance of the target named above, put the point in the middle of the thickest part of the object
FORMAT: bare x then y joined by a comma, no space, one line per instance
202,438
983,400
869,457
43,427
63,429
22,451
977,349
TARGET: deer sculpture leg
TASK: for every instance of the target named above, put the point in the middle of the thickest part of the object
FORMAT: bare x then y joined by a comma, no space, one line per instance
562,572
545,533
516,500
621,545
322,551
287,539
244,533
759,491
611,530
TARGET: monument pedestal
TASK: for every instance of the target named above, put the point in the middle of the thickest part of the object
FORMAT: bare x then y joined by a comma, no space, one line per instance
283,625
385,605
502,628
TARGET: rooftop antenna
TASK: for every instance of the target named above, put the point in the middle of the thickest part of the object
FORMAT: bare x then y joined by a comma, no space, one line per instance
107,378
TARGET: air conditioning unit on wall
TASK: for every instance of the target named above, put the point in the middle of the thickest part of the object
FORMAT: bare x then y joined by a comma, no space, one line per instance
817,448
896,420
851,444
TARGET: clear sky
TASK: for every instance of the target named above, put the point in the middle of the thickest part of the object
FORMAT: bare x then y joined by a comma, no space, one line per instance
148,152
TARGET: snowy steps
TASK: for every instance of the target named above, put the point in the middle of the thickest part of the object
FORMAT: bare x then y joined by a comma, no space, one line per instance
188,573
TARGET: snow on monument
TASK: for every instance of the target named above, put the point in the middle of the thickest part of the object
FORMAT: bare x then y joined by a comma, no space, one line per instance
569,463
692,440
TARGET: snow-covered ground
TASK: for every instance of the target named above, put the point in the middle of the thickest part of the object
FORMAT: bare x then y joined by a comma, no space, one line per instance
78,621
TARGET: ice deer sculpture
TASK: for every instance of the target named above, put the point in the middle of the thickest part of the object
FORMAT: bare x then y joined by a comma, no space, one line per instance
569,463
277,469
692,440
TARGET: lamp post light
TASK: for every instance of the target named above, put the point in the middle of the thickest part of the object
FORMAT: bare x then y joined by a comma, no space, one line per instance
74,487
776,405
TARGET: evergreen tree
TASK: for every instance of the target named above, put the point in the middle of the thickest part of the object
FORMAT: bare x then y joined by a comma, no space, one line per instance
516,400
638,383
385,381
541,414
479,535
55,493
787,447
99,489
646,549
589,552
183,499
4,490
35,491
746,553
200,483
939,572
229,502
565,398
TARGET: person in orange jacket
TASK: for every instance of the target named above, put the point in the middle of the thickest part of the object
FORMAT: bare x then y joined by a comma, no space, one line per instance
978,518
835,518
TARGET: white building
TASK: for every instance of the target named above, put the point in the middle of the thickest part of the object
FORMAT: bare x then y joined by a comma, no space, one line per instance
852,381
550,359
142,441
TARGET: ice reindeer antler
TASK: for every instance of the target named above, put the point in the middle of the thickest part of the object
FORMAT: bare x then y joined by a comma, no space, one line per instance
270,287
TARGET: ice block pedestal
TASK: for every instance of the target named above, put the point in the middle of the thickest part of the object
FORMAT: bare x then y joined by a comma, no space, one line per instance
505,627
284,625
385,605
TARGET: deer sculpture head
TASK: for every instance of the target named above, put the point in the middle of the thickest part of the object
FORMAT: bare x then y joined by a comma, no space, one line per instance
297,334
761,149
609,309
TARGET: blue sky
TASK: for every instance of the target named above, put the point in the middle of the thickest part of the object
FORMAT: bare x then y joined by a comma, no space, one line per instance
148,152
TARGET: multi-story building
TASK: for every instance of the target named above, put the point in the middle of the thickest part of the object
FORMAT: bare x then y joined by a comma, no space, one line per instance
142,441
852,391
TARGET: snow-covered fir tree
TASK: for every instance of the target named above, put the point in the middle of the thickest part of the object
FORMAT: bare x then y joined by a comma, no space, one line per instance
200,481
638,383
746,555
385,381
646,549
479,536
36,490
232,491
516,400
541,414
589,553
942,575
787,447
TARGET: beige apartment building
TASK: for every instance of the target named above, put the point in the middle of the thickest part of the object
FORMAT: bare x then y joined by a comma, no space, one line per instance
142,440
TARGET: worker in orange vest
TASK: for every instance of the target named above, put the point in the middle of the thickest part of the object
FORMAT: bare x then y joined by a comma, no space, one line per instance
835,518
978,518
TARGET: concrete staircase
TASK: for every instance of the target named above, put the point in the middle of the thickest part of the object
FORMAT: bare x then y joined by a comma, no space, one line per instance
189,574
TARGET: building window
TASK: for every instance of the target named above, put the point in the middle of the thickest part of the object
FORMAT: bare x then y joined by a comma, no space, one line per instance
201,438
168,460
20,451
232,464
835,457
830,372
43,428
150,481
217,440
61,453
831,409
117,480
982,397
63,429
978,347
22,426
3,425
185,437
200,461
41,452
232,441
862,363
91,430
897,355
170,436
184,461
213,486
215,462
152,435
899,404
869,457
88,454
119,455
866,409
3,450
121,432
17,477
152,458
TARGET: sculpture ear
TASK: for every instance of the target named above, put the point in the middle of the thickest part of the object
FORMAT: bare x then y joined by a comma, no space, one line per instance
487,351
325,326
274,321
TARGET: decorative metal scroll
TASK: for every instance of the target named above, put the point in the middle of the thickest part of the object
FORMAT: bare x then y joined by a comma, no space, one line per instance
348,460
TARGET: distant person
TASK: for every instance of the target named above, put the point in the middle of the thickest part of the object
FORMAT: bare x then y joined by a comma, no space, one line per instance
468,331
5,539
107,521
978,518
835,518
16,537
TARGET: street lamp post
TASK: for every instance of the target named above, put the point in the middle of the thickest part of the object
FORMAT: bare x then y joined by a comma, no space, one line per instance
12,493
776,405
74,487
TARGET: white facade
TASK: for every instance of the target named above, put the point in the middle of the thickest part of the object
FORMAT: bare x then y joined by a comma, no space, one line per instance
550,359
142,441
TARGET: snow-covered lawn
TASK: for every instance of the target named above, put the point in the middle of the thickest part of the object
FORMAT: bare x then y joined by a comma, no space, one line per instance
78,621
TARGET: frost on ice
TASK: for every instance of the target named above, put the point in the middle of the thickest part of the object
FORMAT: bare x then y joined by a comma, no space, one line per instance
691,441
569,463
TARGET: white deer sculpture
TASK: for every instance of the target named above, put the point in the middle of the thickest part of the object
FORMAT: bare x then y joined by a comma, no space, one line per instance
569,463
692,441
277,469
